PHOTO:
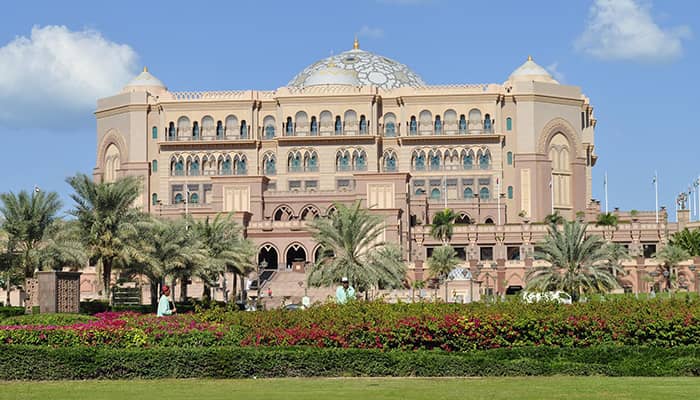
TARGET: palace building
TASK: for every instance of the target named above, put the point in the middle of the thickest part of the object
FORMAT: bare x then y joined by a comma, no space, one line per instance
358,126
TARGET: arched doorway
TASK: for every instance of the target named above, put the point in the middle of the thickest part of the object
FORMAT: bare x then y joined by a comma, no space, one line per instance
296,257
268,253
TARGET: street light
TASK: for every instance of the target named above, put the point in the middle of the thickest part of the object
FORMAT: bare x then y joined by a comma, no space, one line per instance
261,267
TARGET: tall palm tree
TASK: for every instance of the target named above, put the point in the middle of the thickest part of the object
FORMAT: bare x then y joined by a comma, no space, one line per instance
615,254
577,263
107,221
606,219
62,247
8,263
443,224
351,246
443,260
27,217
669,257
687,240
227,249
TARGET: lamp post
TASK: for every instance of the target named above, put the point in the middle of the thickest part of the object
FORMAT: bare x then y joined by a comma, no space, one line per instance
261,267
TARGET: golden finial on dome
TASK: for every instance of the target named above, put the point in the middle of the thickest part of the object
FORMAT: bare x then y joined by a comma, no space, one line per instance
356,44
145,68
529,58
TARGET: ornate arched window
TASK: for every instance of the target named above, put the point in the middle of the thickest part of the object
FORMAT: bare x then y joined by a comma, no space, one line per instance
338,125
509,158
194,167
419,161
226,167
510,192
435,194
219,130
112,162
487,123
314,126
468,193
283,213
389,125
309,212
208,127
509,124
363,125
270,165
178,168
301,123
178,198
390,162
269,124
413,125
311,162
484,160
484,193
241,165
342,161
171,130
195,130
360,161
294,162
183,127
289,127
434,160
467,160
231,126
462,124
194,198
244,130
438,125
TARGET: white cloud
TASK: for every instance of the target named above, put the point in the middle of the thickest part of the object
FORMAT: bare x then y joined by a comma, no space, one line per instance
54,77
553,69
374,33
625,30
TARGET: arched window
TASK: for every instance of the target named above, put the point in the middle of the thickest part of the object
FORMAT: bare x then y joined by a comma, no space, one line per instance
434,161
438,125
269,124
270,165
326,122
314,126
390,162
426,121
194,198
467,160
244,130
309,212
343,161
301,123
509,158
219,130
241,166
183,127
413,126
462,124
154,166
389,125
360,161
171,130
154,199
289,127
475,123
208,127
509,124
195,130
338,125
194,168
487,123
178,168
435,194
294,162
231,126
419,163
468,193
510,192
311,162
484,193
178,198
154,132
283,213
363,125
488,221
226,166
463,219
350,122
485,161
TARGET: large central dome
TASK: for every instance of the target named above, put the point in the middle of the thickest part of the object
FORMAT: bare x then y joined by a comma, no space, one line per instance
357,68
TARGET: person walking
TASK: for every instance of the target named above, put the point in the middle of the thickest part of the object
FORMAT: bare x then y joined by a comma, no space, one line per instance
164,303
345,292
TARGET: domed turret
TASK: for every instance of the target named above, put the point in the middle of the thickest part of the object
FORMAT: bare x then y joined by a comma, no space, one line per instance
145,82
531,71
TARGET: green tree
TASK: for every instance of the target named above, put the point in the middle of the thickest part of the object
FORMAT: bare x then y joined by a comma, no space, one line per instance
615,254
668,258
227,249
578,264
443,224
9,264
107,222
27,217
351,246
687,240
62,247
606,219
443,260
554,219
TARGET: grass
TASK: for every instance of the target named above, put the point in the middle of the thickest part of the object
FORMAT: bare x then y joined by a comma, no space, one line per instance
558,387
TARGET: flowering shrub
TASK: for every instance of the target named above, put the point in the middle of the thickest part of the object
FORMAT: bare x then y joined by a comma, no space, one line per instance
377,325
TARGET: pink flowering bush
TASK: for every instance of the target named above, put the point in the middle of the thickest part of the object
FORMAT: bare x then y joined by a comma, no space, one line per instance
378,325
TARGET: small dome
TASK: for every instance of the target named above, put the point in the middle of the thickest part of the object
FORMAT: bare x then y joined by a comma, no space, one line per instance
144,80
531,71
360,68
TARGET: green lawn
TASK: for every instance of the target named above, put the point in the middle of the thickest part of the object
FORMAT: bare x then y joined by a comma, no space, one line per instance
559,387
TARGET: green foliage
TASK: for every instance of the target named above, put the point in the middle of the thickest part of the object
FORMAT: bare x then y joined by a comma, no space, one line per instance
669,257
91,307
443,260
577,263
554,219
46,363
351,247
687,240
10,312
443,225
606,219
47,319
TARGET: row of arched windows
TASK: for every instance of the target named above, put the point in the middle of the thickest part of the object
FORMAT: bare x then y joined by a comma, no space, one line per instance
236,164
435,159
308,212
206,129
326,123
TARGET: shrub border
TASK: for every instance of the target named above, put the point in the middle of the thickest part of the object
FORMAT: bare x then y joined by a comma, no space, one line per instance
45,363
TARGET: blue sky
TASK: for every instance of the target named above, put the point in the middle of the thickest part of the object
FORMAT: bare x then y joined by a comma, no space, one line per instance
637,61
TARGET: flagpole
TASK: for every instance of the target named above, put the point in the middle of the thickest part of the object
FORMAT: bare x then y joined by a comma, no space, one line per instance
656,191
445,179
551,188
605,184
498,196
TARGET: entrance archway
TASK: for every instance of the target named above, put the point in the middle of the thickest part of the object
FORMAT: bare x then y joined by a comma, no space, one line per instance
296,257
268,253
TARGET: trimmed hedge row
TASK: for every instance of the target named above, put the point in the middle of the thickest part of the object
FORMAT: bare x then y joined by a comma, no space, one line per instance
45,363
10,311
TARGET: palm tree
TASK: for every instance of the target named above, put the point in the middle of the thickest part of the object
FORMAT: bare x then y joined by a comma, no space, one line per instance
577,264
62,247
107,222
669,257
443,260
554,219
606,219
8,263
687,240
443,224
227,249
26,221
351,246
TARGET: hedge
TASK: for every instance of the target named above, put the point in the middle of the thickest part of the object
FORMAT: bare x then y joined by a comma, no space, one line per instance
45,363
10,311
